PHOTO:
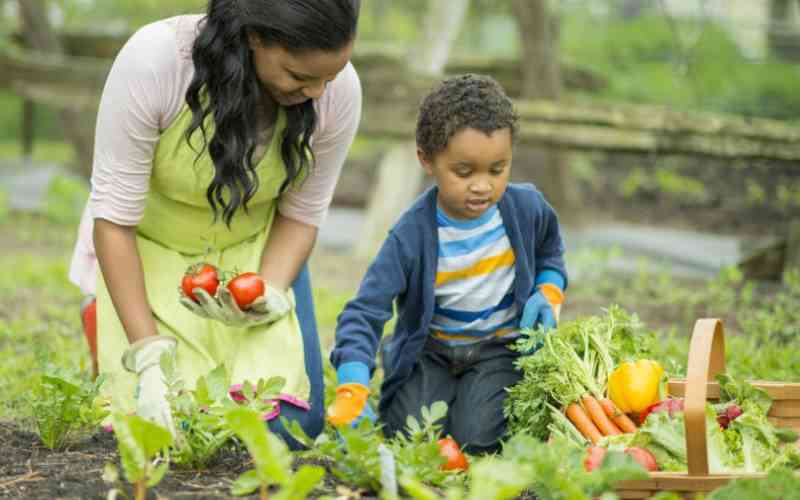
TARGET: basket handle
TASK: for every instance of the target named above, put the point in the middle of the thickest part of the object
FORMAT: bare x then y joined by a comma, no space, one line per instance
706,361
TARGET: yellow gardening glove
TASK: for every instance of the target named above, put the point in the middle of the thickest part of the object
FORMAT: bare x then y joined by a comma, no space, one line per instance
350,405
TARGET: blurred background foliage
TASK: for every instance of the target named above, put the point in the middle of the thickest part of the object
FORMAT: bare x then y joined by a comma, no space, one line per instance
687,62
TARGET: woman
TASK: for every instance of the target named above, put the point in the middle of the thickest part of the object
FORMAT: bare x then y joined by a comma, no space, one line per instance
219,139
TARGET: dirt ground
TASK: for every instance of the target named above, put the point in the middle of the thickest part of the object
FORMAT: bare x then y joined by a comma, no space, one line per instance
29,470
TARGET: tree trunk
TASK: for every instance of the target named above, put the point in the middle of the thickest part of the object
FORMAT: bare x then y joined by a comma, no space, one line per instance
538,30
442,25
784,29
77,126
399,173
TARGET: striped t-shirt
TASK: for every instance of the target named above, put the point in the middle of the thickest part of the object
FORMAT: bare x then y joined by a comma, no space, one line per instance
474,280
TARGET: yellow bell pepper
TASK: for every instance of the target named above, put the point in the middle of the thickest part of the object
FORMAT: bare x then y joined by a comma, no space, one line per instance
633,386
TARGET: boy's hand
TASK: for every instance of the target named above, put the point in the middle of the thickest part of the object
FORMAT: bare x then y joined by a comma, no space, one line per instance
350,405
543,307
542,310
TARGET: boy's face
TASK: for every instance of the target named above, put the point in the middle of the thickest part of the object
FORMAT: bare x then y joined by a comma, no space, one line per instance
471,172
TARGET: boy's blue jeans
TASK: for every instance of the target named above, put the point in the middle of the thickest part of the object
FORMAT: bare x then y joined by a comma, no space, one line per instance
471,379
313,420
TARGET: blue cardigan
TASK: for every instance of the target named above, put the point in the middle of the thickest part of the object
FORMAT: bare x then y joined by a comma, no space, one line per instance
405,271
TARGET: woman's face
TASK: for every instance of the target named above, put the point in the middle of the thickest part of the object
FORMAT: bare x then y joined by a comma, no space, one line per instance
295,77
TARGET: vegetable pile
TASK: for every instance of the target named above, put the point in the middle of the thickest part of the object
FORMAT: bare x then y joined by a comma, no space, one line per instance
739,437
591,383
580,384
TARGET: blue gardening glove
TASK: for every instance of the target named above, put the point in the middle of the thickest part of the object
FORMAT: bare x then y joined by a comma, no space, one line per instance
538,312
352,393
542,309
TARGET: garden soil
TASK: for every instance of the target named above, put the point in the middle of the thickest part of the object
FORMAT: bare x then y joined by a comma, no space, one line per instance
30,471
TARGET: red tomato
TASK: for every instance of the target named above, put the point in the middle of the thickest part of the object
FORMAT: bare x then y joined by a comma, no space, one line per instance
594,457
246,288
200,276
644,457
456,460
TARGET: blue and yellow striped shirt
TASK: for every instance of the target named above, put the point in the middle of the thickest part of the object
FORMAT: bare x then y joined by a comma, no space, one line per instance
474,280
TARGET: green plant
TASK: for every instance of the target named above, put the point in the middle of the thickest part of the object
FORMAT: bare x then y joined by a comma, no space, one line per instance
273,462
66,407
200,413
417,451
353,453
780,484
66,197
356,458
140,444
549,470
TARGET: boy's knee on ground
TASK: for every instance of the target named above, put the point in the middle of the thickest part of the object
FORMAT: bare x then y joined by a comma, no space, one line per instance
478,431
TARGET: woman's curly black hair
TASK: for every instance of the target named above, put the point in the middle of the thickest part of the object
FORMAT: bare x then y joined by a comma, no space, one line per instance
460,102
225,86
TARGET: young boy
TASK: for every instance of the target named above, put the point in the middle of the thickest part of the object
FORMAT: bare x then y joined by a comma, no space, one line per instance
465,265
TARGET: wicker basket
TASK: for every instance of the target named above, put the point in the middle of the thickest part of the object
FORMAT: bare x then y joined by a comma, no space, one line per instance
706,360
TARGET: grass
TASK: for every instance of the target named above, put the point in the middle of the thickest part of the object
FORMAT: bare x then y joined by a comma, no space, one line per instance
46,151
762,321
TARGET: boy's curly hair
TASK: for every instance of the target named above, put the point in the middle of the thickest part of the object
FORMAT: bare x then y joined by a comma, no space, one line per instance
464,101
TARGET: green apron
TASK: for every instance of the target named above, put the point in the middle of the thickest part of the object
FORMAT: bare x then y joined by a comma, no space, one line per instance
178,230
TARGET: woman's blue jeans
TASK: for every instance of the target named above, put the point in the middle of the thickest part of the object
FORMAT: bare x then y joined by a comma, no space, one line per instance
312,420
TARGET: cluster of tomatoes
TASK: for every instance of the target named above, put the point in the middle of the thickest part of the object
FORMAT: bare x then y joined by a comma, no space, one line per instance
244,287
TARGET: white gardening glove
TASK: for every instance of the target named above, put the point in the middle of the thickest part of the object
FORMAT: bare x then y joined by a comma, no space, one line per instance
273,305
269,308
207,306
144,359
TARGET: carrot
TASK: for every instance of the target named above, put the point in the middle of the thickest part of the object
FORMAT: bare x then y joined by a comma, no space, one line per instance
577,415
598,416
625,424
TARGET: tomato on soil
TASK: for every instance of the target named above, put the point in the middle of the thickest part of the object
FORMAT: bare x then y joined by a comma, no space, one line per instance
449,449
246,288
201,275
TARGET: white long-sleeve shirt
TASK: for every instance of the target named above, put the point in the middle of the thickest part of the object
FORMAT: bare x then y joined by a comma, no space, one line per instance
143,95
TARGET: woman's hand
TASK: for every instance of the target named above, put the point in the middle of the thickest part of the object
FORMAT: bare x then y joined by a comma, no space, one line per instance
144,359
271,306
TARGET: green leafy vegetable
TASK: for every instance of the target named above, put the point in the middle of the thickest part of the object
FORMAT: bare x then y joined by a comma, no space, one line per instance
140,442
273,462
202,430
575,359
66,407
